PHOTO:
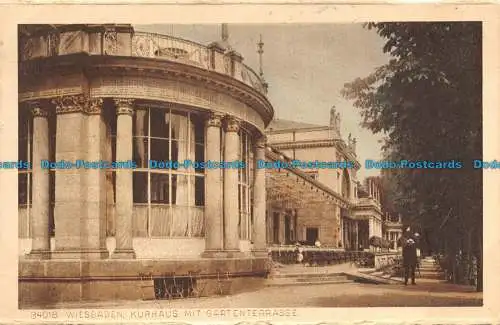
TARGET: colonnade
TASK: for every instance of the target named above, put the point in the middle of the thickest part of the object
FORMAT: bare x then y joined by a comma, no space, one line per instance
79,193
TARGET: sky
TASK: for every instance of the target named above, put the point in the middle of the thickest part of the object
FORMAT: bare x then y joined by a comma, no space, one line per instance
306,66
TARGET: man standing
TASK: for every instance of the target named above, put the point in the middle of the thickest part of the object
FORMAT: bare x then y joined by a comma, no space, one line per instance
409,259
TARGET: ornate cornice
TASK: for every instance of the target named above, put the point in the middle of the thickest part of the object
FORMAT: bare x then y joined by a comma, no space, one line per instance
304,144
70,104
214,120
162,69
324,143
232,124
176,71
124,106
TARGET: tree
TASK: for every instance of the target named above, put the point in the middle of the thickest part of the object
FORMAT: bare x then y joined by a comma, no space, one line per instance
427,101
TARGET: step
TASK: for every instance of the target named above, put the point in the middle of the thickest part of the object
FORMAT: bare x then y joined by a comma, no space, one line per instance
370,278
320,279
303,275
430,276
290,282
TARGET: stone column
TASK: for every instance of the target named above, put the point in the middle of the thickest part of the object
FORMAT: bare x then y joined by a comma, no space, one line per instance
371,227
40,176
231,149
124,180
69,210
213,191
94,205
357,234
259,199
79,213
281,233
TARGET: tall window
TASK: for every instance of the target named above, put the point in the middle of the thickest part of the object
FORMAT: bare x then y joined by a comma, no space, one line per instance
168,200
245,180
346,188
109,115
52,173
25,154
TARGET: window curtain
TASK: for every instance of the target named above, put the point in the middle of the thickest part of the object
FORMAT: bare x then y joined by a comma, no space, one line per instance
141,125
172,212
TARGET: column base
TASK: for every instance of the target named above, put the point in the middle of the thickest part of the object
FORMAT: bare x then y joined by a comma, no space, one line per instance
83,254
236,253
260,252
214,254
124,254
39,254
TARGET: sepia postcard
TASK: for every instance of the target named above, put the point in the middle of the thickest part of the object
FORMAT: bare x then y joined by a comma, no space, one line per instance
250,164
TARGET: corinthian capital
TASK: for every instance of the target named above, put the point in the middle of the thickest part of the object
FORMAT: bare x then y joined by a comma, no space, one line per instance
124,106
214,120
260,142
70,104
37,109
94,106
232,124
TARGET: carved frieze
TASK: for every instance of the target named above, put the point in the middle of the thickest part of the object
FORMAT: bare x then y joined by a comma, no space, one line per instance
110,42
49,93
175,92
70,104
141,46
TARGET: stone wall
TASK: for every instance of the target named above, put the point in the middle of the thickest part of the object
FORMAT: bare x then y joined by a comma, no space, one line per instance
128,280
326,217
385,259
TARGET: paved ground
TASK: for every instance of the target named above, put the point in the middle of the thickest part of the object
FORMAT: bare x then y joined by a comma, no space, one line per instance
425,294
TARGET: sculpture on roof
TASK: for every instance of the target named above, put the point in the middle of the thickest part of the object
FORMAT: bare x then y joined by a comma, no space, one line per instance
333,116
335,120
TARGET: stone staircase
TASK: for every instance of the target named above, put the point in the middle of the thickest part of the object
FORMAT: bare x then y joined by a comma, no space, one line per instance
308,279
429,269
306,276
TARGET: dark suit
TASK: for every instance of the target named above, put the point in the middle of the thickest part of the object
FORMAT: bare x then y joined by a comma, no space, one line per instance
409,261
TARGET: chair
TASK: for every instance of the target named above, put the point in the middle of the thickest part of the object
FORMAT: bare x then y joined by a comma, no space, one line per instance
177,288
195,287
167,284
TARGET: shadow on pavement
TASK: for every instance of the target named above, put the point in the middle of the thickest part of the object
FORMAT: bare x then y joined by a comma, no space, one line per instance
395,300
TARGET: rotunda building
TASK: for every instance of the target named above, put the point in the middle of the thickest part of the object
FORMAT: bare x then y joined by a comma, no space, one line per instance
117,125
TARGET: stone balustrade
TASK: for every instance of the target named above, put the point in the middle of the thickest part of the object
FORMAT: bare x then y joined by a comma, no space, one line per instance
124,41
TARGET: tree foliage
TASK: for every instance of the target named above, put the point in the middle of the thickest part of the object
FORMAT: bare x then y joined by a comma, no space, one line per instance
427,102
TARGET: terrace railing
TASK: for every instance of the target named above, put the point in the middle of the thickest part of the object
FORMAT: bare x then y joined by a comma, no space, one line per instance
140,44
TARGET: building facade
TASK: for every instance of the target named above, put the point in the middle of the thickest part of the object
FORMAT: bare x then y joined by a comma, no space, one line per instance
332,222
393,230
106,93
